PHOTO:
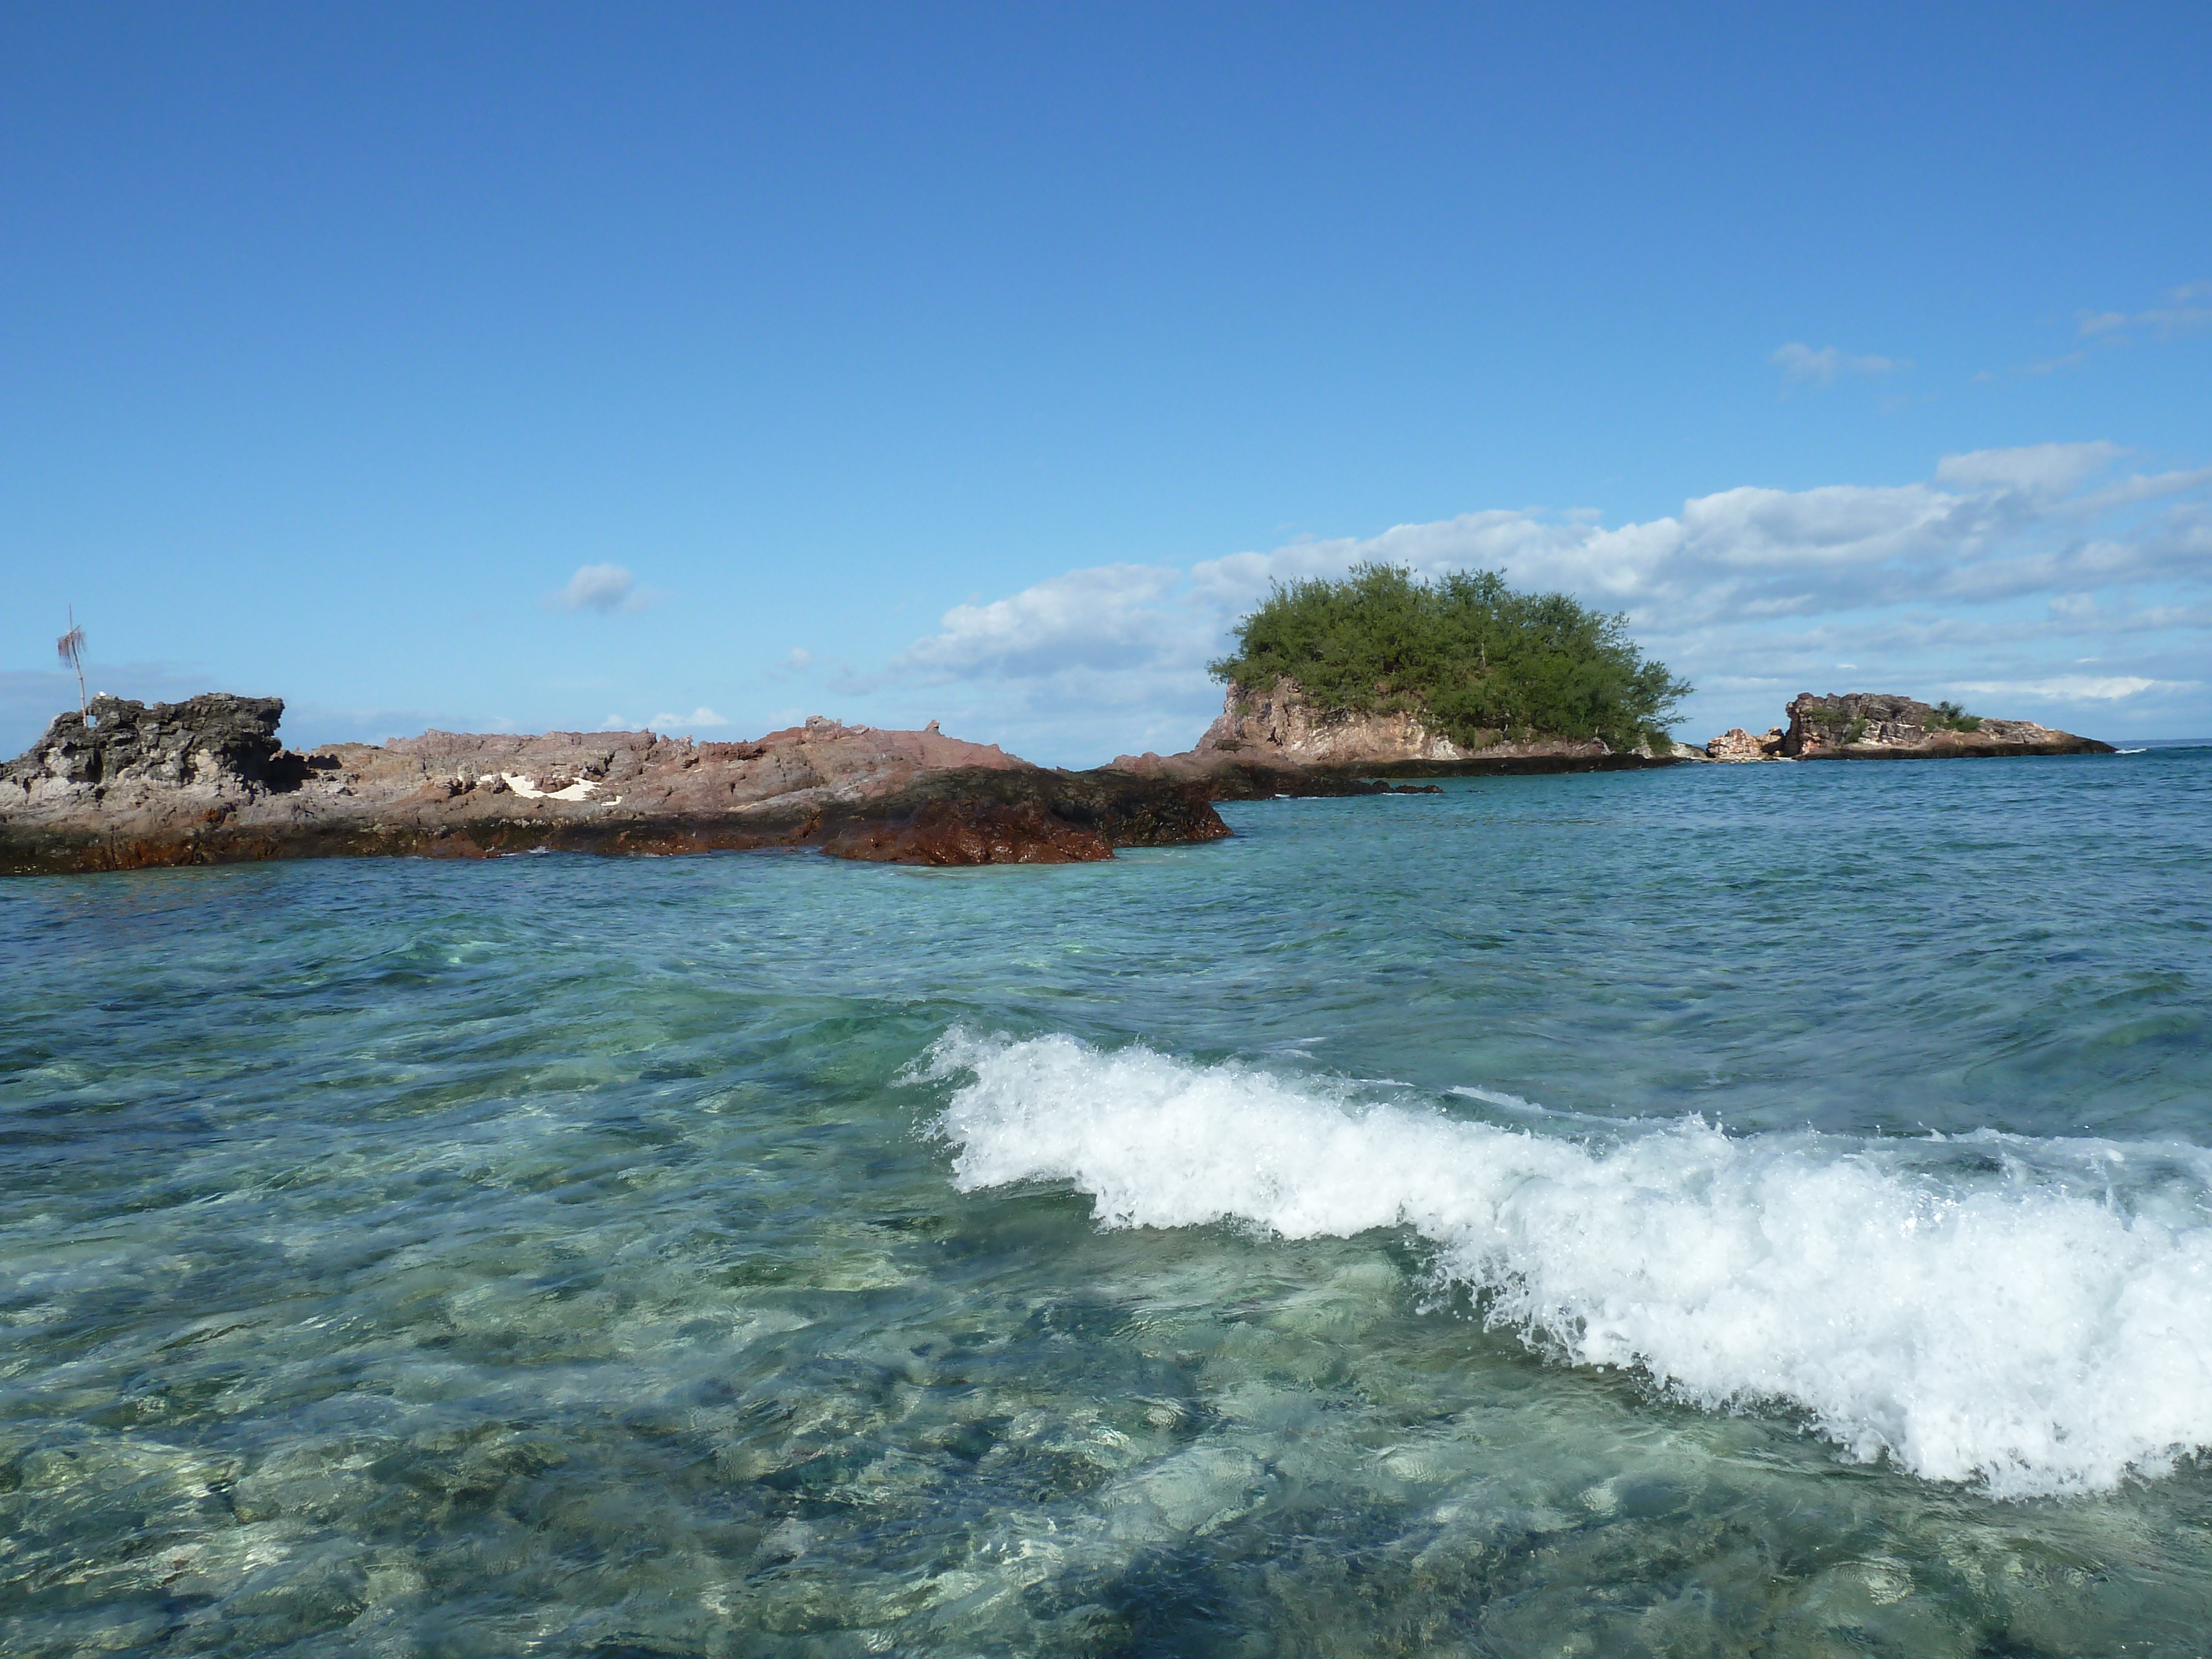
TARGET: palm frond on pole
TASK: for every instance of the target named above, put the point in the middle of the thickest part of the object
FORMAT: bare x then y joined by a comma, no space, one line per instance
71,649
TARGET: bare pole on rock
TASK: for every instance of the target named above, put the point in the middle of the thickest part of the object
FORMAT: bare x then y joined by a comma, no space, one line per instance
71,649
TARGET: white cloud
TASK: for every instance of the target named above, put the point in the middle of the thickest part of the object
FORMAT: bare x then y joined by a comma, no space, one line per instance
1974,577
2072,687
2182,314
1798,362
795,661
2177,319
699,720
2036,469
1107,616
2031,371
605,588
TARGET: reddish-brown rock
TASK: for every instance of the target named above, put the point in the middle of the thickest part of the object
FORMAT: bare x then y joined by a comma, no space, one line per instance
1737,745
1876,726
970,832
1272,741
206,781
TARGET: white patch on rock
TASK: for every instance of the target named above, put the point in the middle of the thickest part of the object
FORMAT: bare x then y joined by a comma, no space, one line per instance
528,789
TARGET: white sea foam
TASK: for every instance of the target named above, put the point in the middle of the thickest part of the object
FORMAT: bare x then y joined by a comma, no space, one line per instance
2034,1317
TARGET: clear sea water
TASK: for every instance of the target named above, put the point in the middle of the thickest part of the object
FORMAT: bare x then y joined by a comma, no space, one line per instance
1759,1210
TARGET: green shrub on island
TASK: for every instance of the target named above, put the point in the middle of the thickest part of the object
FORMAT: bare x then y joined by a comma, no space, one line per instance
1476,659
1828,720
1949,717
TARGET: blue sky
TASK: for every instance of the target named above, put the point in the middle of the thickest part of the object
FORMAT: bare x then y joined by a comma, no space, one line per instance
517,368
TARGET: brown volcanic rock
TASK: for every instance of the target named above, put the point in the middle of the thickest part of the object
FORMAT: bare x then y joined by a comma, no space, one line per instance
127,750
1044,818
205,781
1872,725
964,832
1737,745
1272,741
1276,726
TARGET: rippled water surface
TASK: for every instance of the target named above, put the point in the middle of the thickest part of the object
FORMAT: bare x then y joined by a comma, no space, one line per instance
1740,1210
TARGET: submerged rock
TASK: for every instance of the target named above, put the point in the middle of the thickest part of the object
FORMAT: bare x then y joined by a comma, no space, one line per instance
206,781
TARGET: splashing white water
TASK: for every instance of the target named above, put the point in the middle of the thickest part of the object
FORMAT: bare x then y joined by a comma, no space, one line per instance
2032,1315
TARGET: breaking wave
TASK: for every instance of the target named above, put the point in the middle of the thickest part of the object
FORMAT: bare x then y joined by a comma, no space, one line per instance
2031,1315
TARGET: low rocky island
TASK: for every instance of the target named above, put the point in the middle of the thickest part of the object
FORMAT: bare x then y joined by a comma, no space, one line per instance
207,781
1276,740
1875,725
1336,688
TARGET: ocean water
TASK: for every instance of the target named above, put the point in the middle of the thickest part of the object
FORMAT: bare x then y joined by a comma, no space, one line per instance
1759,1210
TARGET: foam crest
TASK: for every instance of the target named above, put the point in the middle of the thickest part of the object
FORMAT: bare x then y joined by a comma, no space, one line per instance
2034,1317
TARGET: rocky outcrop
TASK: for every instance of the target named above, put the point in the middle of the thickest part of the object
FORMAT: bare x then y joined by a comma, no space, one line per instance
1872,725
1272,741
1278,726
1737,745
126,750
207,781
1029,816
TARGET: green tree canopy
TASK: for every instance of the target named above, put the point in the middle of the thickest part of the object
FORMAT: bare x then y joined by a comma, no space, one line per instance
1477,659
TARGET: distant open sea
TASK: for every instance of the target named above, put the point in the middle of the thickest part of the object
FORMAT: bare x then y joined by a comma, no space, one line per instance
1721,1210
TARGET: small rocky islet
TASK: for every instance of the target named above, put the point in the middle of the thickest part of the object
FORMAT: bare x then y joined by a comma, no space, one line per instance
1334,688
129,785
207,781
1872,725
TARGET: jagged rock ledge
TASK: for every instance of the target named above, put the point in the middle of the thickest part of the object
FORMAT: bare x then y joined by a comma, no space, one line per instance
1271,740
207,781
1876,726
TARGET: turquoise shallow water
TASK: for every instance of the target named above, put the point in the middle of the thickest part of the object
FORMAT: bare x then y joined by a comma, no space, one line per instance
1748,1210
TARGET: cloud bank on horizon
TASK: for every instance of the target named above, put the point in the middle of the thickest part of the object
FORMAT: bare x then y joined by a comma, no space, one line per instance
2044,581
2053,581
